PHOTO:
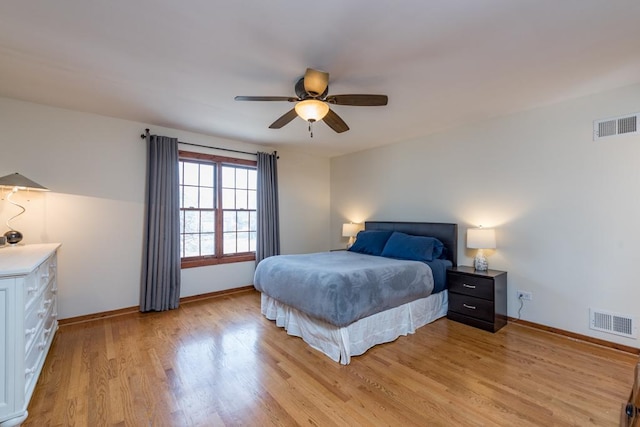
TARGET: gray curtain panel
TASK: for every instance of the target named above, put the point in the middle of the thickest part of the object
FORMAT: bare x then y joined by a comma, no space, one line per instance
268,239
160,284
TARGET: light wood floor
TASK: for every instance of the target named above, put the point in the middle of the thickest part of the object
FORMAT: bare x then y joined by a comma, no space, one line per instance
219,362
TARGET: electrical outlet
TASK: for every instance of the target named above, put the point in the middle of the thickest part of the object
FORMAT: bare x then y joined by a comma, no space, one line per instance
523,295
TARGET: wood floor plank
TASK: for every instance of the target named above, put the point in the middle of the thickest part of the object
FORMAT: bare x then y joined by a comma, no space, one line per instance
219,362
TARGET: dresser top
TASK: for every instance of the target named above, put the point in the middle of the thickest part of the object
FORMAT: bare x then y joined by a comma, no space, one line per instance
23,259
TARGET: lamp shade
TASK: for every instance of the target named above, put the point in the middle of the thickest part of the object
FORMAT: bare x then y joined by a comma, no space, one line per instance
23,183
350,230
312,109
481,238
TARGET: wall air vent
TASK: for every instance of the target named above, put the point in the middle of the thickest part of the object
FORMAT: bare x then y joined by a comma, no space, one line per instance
616,126
613,323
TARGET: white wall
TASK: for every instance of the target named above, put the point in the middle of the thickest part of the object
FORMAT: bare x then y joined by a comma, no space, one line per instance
566,208
95,167
304,202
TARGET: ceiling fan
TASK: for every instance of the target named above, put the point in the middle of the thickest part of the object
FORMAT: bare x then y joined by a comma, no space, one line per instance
312,102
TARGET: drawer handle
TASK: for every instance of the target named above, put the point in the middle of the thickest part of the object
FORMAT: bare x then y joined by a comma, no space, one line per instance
32,290
31,331
47,331
470,307
47,302
42,345
54,315
29,371
45,275
54,291
469,286
41,313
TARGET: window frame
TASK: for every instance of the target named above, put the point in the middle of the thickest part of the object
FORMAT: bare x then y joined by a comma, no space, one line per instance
219,257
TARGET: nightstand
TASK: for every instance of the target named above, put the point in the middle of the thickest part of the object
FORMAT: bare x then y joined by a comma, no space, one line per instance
478,298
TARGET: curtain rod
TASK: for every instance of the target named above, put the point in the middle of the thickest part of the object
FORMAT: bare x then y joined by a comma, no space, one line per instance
144,136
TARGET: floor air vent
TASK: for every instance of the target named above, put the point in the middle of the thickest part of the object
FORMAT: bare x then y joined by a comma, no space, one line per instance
613,323
616,126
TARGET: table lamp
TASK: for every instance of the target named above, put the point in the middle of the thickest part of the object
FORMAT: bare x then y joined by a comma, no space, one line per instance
481,238
350,230
17,182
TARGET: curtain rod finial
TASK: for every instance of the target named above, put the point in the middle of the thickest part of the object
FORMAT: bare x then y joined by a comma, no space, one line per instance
144,135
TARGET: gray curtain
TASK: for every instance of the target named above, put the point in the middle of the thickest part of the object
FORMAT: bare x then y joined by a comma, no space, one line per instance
268,240
160,287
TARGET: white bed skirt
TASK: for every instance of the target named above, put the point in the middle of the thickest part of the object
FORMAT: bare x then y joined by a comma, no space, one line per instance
353,340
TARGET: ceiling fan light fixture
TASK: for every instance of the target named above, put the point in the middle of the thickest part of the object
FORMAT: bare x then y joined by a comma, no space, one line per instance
315,82
312,102
312,109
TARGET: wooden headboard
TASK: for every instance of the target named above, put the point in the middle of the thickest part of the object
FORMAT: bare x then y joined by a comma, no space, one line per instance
445,232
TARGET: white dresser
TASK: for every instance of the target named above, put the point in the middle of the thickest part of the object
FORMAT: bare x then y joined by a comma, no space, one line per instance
28,322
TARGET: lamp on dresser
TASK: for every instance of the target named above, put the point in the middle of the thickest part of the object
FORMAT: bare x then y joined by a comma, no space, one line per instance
16,182
481,238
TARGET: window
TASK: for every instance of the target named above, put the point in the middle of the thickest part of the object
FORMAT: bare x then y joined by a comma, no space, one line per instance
218,219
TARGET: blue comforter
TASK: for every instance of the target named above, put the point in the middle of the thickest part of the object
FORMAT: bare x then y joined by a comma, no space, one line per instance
342,287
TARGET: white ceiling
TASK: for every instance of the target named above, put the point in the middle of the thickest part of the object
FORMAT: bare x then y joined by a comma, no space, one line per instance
441,62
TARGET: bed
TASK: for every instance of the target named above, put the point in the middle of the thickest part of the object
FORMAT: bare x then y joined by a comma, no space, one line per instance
344,302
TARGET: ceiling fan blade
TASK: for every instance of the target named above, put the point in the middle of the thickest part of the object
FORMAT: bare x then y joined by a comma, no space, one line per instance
266,98
315,82
358,100
335,122
284,119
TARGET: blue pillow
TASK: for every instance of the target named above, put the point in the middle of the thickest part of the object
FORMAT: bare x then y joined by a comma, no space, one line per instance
370,242
443,252
415,248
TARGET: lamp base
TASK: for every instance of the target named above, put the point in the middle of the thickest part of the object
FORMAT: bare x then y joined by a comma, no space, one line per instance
480,262
13,237
352,240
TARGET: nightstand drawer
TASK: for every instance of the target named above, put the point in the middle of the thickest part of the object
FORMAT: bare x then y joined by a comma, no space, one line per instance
474,307
478,287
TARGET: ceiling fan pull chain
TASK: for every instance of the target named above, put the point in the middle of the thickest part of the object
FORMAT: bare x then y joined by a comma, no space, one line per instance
310,129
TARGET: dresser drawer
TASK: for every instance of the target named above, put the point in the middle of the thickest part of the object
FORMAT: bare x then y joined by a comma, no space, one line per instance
33,323
38,314
470,306
33,358
49,295
50,324
478,287
36,354
39,279
31,287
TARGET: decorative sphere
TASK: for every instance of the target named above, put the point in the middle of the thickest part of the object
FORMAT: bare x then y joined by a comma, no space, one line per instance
13,236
